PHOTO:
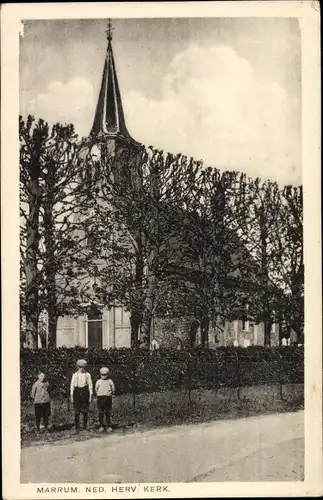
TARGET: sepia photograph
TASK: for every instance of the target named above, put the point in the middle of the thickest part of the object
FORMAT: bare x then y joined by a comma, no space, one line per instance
161,253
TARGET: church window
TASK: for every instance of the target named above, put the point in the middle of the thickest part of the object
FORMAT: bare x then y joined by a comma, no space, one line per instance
94,329
119,315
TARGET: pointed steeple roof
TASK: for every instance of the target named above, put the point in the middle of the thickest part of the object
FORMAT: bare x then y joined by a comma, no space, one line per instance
109,117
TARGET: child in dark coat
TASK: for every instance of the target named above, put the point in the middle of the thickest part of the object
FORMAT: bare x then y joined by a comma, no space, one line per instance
41,397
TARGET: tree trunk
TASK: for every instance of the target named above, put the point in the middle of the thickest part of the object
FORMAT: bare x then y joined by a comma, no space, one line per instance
149,302
51,308
135,320
50,270
148,305
31,330
148,310
52,305
22,327
267,333
52,329
43,340
31,270
205,331
193,332
266,313
146,329
136,313
297,309
152,252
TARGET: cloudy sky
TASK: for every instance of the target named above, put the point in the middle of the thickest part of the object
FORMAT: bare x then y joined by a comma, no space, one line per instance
227,91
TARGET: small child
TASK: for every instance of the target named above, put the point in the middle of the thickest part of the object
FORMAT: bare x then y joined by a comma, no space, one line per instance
41,397
81,393
104,389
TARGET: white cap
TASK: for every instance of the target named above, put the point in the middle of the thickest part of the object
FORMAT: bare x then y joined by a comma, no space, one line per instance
104,370
81,363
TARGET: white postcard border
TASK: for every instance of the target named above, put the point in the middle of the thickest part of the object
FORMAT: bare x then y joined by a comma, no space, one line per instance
308,14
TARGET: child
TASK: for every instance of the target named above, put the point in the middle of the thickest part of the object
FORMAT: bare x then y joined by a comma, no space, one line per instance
41,398
104,389
81,393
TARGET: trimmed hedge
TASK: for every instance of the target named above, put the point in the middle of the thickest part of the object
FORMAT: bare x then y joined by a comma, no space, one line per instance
137,371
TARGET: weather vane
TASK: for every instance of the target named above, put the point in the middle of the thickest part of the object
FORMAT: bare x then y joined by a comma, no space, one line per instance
109,31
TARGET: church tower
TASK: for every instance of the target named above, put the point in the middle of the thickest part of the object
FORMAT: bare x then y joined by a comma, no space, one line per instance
104,327
109,124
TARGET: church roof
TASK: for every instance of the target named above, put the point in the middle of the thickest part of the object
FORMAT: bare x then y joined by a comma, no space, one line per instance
109,119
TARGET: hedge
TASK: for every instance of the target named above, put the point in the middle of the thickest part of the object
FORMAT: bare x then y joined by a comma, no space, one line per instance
137,371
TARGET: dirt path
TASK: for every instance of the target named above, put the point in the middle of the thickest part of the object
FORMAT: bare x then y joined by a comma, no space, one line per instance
260,448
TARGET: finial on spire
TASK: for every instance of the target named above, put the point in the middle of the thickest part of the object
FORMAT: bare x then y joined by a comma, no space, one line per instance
109,31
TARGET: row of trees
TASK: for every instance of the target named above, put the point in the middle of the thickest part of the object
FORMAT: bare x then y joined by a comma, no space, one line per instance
156,232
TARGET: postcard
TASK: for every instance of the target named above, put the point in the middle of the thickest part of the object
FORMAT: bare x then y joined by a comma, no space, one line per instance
161,250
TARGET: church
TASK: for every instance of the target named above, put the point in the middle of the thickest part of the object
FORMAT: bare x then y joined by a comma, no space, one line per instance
110,327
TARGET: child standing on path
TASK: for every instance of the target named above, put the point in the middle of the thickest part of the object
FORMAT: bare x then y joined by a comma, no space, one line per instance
81,393
104,389
41,398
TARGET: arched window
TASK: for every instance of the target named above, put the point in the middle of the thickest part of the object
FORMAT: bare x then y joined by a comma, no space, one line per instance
94,328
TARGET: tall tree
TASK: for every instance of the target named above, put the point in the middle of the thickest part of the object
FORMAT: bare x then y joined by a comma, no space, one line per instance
288,272
143,190
261,235
32,146
214,283
52,193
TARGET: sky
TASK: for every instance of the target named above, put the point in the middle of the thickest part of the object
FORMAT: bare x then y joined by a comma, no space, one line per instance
223,90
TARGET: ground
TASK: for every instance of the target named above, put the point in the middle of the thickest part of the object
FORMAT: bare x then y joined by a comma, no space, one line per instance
167,408
258,448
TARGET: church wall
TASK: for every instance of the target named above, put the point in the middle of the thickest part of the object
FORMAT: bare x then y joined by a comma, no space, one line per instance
228,333
274,338
106,341
245,335
66,332
259,334
81,330
166,331
116,332
122,328
231,333
234,333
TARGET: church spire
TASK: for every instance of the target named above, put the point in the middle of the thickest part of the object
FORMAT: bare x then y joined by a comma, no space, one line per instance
109,116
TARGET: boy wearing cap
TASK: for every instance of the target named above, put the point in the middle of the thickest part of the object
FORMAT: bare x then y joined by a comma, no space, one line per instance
81,393
104,389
